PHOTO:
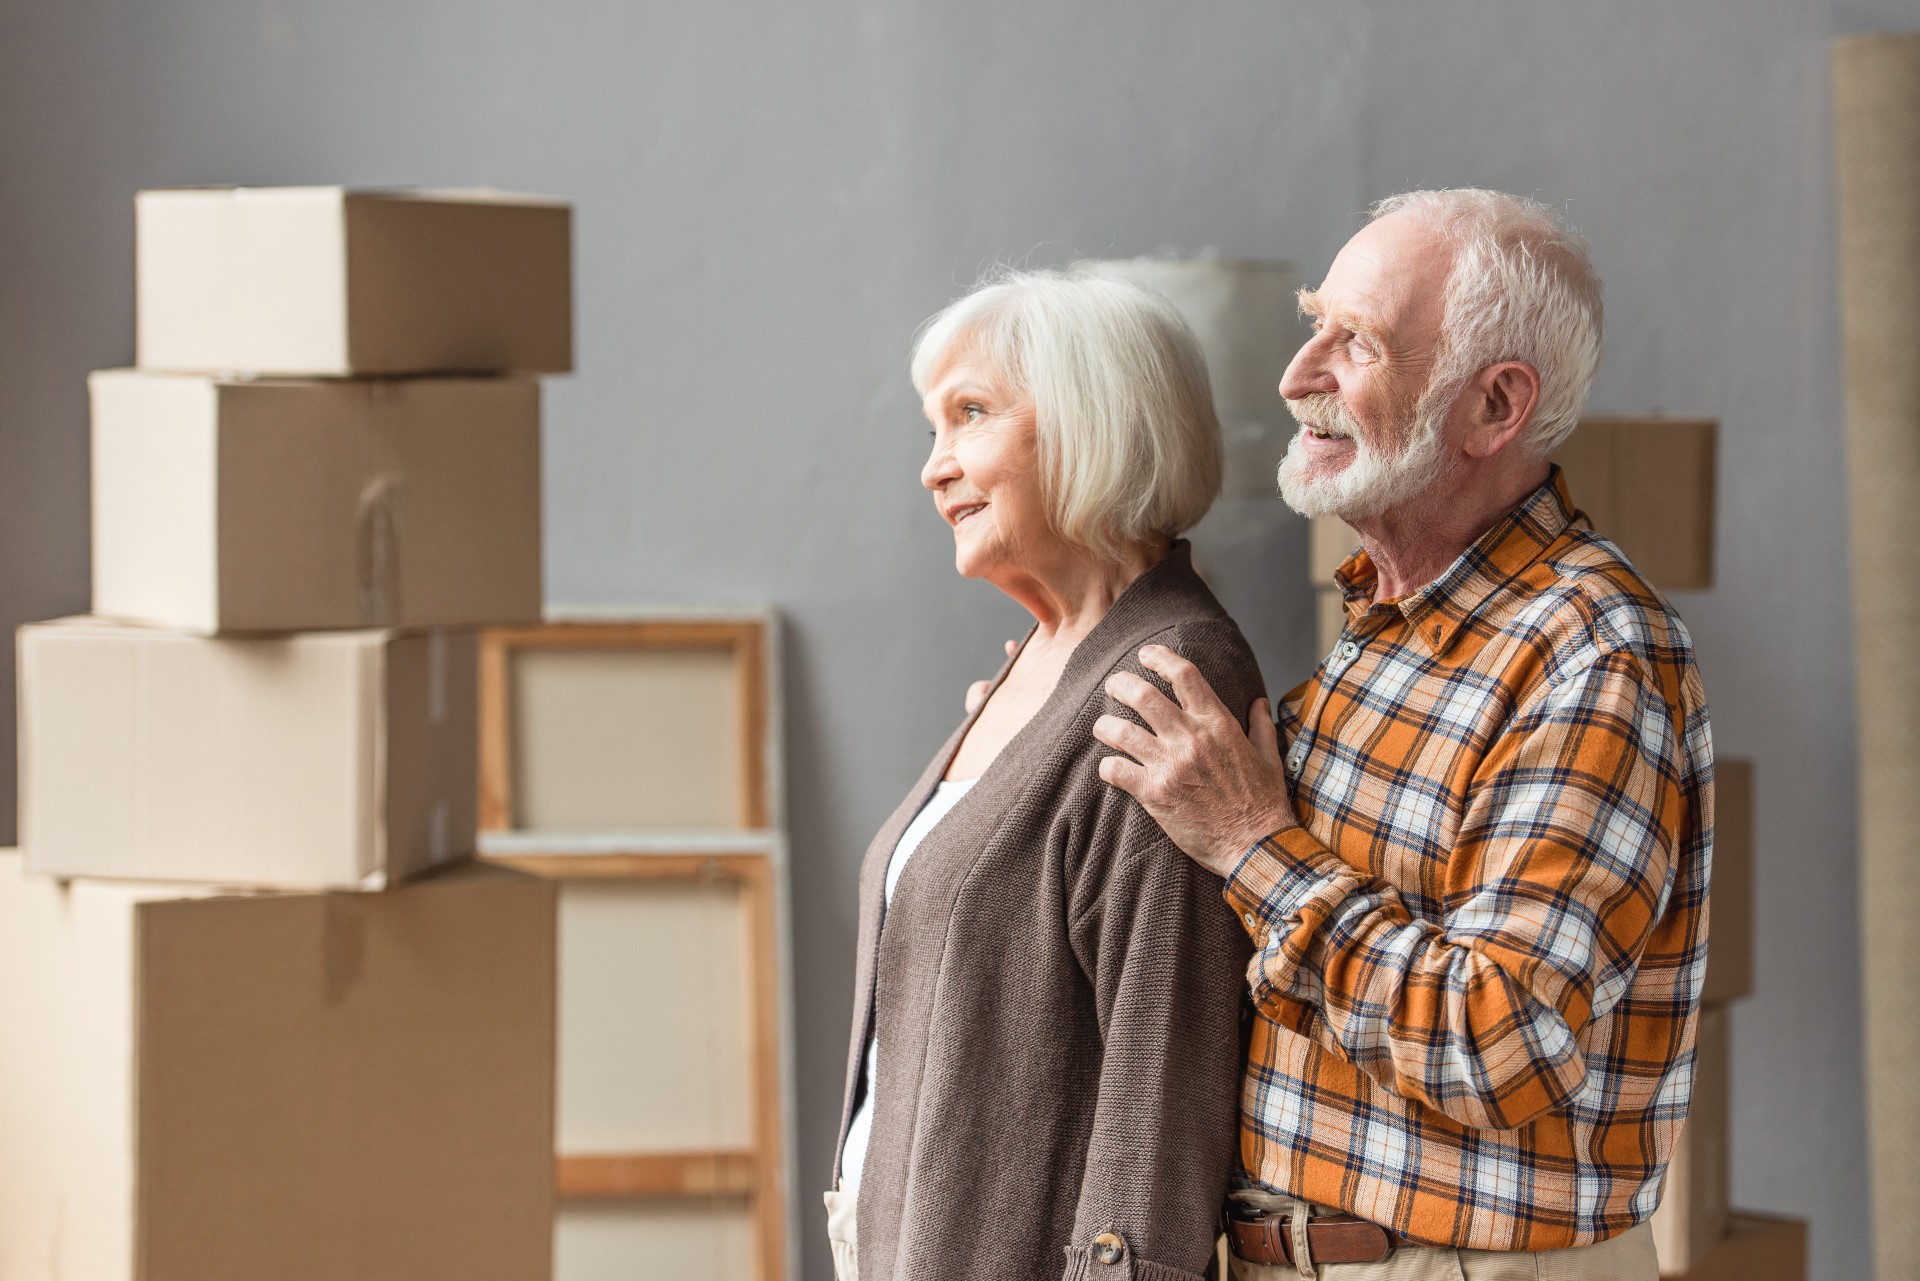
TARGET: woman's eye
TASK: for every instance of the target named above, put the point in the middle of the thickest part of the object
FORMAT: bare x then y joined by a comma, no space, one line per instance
972,413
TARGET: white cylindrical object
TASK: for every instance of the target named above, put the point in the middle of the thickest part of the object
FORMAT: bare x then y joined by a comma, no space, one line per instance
1244,313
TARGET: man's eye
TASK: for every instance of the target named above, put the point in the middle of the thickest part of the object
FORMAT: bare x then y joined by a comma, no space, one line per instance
972,412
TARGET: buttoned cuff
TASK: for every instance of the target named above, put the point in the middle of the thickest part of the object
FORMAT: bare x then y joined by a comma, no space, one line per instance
1274,880
1284,889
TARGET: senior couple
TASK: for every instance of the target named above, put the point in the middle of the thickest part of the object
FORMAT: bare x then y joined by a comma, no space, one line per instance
1459,889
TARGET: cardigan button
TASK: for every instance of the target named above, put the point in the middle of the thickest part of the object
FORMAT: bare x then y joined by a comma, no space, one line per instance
1108,1247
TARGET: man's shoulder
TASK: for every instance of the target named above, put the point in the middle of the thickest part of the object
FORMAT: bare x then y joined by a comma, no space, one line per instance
1584,599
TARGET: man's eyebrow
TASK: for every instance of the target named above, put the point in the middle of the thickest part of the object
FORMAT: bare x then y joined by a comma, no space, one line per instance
1312,307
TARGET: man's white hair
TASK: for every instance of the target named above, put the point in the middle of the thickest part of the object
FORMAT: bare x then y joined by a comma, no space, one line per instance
1128,439
1521,288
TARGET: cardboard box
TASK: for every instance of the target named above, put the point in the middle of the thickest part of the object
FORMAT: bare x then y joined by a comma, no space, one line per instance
326,280
1695,1210
1730,893
307,1087
1757,1247
1648,484
1330,617
224,505
325,760
1329,542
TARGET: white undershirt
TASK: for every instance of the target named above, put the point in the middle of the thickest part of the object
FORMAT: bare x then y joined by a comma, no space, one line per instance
854,1155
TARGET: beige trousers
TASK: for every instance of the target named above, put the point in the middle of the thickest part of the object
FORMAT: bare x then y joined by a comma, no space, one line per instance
1627,1257
841,1235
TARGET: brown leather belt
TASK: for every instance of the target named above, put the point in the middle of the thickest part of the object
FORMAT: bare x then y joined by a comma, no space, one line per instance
1335,1238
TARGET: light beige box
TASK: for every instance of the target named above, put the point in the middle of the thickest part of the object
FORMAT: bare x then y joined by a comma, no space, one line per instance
1330,617
227,505
1695,1210
323,760
1756,1248
328,280
1730,901
1648,484
1329,542
307,1087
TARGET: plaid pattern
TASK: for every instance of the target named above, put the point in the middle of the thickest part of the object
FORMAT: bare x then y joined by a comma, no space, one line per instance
1480,956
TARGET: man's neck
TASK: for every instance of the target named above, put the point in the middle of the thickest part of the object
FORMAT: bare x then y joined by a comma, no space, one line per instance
1413,544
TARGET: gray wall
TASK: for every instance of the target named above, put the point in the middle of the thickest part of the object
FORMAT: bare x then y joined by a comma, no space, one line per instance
771,195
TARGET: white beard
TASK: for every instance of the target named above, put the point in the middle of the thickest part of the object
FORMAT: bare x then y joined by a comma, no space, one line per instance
1374,482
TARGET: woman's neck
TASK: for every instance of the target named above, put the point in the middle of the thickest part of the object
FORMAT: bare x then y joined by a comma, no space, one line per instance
1067,599
1070,594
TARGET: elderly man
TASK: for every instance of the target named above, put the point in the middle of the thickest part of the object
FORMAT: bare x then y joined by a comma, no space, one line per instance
1473,856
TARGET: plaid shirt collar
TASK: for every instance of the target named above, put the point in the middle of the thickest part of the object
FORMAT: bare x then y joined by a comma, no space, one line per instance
1436,613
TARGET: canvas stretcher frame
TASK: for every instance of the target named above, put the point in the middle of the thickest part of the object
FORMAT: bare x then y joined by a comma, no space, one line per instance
747,855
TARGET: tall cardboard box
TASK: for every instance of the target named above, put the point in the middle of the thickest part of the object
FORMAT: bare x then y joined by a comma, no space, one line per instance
328,280
1757,1247
323,760
1730,892
233,505
1695,1210
303,1087
1648,485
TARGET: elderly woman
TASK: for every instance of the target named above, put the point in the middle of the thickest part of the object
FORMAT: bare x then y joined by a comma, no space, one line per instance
1046,1050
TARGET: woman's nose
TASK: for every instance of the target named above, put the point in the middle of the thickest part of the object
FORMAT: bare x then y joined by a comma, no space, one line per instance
940,468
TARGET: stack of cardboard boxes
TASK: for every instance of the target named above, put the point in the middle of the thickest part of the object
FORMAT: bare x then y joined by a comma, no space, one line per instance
264,1018
1697,1233
1648,484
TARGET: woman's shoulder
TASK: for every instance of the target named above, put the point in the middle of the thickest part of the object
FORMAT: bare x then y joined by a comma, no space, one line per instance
1172,605
1213,643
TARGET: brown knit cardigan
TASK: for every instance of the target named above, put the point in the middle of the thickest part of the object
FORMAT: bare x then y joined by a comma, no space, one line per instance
1058,993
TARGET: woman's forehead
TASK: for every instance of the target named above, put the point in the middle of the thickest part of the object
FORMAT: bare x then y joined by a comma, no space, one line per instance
967,369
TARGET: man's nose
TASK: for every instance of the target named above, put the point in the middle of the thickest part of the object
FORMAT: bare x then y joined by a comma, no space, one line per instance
1307,373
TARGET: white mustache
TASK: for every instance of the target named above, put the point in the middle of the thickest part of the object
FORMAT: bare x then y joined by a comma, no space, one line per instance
1325,411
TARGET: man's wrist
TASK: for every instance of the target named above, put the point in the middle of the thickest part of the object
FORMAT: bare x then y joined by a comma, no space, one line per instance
1270,827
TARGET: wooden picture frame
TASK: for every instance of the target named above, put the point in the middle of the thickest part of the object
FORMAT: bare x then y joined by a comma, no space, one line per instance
757,1172
743,640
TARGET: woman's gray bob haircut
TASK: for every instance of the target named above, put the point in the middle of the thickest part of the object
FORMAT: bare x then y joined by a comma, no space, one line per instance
1129,443
1522,288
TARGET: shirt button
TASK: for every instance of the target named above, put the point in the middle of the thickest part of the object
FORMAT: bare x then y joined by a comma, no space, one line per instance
1350,651
1253,922
1295,760
1108,1247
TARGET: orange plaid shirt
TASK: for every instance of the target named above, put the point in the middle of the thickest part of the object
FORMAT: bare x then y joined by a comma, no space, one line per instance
1480,955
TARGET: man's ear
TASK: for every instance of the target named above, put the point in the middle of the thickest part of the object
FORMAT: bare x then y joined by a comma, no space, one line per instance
1505,396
